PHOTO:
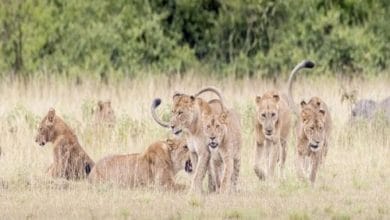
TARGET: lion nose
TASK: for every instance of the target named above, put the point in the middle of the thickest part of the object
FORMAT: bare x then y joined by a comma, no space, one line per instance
269,131
212,138
317,142
172,126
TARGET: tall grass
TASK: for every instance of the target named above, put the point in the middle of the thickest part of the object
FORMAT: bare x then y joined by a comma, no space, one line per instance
354,183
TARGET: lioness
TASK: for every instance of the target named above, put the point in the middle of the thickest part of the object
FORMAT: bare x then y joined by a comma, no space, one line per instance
272,127
224,141
313,133
104,114
158,165
188,116
70,160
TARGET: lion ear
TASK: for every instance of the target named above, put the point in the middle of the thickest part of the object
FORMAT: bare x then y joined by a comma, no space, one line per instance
176,94
258,99
223,117
276,97
303,103
100,105
170,143
51,114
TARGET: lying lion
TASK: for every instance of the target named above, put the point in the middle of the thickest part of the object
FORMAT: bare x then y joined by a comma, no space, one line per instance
70,160
158,165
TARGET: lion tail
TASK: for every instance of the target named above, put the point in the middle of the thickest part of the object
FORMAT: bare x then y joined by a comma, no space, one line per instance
304,64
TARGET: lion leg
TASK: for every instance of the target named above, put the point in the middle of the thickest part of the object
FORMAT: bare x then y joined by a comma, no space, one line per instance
315,160
164,178
283,155
228,163
300,167
200,172
273,158
213,183
236,173
259,155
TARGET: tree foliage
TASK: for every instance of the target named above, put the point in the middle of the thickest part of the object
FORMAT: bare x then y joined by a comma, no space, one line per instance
233,37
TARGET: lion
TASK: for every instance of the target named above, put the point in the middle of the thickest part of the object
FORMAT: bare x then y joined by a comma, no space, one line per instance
313,132
272,127
224,142
158,165
188,113
104,114
70,161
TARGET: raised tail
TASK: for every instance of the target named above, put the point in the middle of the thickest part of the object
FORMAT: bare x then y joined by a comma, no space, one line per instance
155,104
304,64
213,90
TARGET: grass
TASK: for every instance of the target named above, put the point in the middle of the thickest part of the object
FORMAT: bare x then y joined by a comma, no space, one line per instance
354,183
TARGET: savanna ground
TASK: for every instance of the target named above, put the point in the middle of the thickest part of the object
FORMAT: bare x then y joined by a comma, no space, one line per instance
354,183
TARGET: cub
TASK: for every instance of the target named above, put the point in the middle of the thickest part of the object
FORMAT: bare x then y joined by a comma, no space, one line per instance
104,114
157,165
224,142
70,161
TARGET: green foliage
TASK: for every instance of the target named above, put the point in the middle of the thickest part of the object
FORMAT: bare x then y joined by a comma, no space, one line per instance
229,37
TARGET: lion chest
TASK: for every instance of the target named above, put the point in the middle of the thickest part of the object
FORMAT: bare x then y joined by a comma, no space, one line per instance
196,143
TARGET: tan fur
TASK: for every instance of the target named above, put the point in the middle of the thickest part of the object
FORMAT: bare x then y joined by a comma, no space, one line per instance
313,137
104,114
272,127
224,141
158,165
188,113
70,160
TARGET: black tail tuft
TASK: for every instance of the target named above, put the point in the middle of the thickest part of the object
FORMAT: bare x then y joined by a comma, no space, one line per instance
309,64
156,102
87,169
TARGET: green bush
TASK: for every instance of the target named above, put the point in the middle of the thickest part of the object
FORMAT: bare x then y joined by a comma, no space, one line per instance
228,37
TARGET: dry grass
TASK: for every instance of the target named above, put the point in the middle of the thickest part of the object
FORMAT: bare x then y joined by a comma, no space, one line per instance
355,183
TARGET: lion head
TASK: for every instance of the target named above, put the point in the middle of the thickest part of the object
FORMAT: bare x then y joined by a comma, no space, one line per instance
46,131
313,123
215,129
267,113
183,113
105,114
179,155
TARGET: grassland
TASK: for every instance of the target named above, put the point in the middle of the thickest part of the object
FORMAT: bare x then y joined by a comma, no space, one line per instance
354,183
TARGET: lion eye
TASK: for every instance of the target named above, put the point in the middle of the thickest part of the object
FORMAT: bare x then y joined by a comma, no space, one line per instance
273,114
263,115
312,128
180,112
217,126
208,126
185,147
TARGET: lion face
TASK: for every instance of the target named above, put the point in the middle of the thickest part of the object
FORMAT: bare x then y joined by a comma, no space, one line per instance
46,129
183,114
180,155
267,113
215,130
105,113
313,122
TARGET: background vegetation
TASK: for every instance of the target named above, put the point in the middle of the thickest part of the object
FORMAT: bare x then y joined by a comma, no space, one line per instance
243,38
